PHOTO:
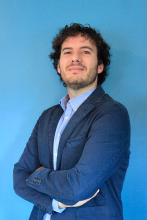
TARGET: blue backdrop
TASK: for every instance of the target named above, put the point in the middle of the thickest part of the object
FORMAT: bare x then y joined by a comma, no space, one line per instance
28,83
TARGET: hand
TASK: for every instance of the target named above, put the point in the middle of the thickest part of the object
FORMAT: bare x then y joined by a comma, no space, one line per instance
40,168
80,203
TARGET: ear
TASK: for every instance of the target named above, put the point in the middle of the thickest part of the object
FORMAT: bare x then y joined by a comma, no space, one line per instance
100,68
58,67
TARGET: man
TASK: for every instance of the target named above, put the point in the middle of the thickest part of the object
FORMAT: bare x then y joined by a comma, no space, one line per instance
74,164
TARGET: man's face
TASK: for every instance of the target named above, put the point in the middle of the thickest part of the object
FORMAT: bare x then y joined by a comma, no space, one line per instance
78,63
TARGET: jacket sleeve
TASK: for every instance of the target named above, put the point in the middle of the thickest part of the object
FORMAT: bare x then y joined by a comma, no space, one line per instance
27,164
106,148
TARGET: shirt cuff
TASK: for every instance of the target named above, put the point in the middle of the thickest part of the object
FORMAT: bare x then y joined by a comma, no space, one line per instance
55,206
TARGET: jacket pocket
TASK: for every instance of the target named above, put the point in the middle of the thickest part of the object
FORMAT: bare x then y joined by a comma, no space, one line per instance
76,142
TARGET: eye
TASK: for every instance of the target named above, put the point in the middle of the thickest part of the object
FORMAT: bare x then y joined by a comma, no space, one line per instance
67,52
86,52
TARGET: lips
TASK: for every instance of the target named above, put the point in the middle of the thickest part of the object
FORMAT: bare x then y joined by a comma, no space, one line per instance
75,68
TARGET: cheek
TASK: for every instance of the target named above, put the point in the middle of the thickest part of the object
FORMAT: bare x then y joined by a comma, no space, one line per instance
61,64
91,60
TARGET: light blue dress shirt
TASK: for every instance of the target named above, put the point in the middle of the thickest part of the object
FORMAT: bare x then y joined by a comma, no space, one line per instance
69,108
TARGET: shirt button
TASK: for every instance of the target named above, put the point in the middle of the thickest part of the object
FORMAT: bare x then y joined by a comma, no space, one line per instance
75,109
59,134
66,118
56,154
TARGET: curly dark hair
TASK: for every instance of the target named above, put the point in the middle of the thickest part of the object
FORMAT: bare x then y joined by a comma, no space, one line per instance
73,30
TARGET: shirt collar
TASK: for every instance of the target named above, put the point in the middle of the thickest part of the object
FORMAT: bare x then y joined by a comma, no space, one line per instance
63,102
75,102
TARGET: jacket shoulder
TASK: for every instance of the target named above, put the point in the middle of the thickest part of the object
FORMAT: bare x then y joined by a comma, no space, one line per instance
47,114
110,103
50,110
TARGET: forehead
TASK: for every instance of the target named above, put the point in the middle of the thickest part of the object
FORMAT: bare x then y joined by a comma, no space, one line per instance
78,41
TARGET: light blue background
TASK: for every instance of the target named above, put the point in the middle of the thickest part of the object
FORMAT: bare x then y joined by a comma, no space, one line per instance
28,83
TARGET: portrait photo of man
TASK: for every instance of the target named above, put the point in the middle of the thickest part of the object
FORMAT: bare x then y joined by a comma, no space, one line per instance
74,164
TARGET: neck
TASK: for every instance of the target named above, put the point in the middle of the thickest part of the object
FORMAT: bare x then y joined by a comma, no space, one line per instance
74,93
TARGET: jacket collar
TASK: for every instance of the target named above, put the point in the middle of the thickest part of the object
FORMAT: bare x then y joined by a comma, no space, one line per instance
97,95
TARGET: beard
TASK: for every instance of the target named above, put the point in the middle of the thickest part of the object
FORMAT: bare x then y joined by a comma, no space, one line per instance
79,83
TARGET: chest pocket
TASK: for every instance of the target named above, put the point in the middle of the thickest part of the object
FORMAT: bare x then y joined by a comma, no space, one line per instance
72,152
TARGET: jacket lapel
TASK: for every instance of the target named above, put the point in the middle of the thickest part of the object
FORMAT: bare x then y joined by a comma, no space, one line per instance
81,112
51,130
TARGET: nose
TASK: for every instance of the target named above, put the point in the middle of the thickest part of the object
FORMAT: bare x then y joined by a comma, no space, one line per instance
76,58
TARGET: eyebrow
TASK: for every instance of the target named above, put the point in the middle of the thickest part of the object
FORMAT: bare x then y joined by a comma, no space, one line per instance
70,48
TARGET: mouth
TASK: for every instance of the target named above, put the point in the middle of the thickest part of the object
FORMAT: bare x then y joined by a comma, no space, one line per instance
76,68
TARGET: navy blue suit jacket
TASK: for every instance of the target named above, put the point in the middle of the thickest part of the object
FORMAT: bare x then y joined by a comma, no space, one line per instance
93,154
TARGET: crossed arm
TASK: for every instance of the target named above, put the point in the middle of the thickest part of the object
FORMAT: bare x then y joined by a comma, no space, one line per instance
103,154
80,203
